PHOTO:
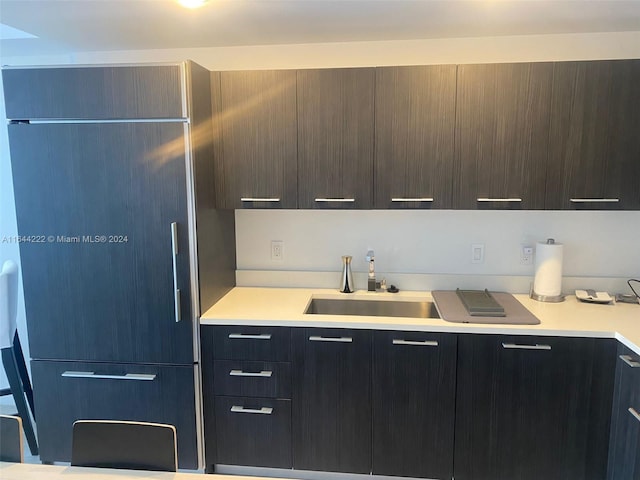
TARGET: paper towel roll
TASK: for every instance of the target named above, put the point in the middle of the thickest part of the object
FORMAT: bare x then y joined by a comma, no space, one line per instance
548,276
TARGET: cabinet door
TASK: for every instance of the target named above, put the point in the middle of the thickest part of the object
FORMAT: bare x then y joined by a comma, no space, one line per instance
97,202
594,148
123,92
335,138
502,135
253,431
624,451
257,111
533,407
332,400
68,391
414,134
414,389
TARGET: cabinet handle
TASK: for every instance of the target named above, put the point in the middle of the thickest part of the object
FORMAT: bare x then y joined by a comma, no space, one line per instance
629,361
260,199
504,200
262,411
634,412
526,347
241,373
128,376
174,260
407,199
425,343
334,200
315,338
594,200
250,336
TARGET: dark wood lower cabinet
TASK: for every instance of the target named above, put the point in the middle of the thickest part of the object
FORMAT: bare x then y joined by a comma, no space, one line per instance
332,400
624,451
253,431
414,392
531,408
70,391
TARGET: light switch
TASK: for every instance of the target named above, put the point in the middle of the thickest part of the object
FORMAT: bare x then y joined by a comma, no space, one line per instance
477,253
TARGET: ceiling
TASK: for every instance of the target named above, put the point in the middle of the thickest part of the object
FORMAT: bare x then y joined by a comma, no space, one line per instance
63,26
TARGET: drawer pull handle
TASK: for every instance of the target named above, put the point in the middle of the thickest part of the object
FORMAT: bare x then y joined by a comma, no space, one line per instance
526,347
424,343
241,373
250,336
594,200
629,361
414,199
128,376
261,411
315,338
259,199
634,412
504,200
335,200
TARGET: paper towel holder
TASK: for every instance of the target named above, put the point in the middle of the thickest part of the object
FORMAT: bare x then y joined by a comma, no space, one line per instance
546,298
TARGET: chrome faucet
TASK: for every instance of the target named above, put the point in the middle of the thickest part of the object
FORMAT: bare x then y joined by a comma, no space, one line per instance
371,282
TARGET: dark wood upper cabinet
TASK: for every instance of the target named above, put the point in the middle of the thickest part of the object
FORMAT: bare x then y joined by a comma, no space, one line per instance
414,136
594,148
255,111
335,138
99,93
502,135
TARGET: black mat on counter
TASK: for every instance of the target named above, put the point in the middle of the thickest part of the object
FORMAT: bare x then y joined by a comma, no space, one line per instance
452,309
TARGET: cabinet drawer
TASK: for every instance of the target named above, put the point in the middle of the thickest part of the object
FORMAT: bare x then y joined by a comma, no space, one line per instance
68,391
253,432
252,379
252,343
150,91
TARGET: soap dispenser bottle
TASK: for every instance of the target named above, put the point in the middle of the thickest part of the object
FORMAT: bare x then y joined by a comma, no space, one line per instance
346,282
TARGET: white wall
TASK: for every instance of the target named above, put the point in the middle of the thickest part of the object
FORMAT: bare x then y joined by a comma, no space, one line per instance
403,240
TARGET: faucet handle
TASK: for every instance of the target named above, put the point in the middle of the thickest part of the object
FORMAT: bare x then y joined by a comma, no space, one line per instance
369,255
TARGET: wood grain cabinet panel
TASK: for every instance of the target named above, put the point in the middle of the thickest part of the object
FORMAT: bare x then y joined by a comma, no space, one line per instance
414,391
99,200
624,451
502,135
414,136
98,93
594,148
332,400
70,391
529,408
335,138
257,120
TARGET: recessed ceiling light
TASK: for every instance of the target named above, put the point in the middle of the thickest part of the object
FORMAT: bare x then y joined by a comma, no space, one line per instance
192,3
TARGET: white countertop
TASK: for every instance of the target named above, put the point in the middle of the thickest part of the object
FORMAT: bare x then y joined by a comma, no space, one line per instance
29,471
286,306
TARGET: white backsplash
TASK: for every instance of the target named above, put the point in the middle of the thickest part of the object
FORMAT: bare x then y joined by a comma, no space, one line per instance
432,244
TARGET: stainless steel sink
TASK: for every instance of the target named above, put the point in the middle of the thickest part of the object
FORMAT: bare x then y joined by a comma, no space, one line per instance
372,308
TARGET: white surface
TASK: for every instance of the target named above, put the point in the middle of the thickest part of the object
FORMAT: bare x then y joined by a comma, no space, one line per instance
596,244
286,306
28,471
8,302
547,280
75,25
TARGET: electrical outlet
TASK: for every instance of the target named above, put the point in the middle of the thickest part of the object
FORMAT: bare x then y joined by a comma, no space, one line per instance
277,250
477,253
526,255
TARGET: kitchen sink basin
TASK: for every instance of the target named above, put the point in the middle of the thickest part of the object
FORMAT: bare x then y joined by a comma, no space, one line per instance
372,308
